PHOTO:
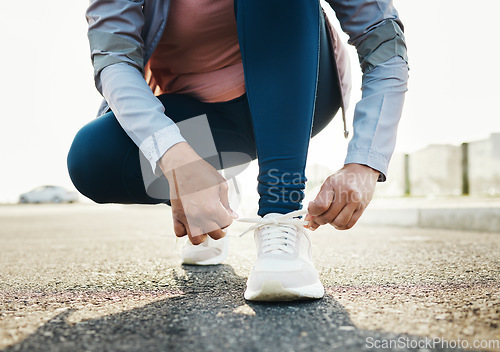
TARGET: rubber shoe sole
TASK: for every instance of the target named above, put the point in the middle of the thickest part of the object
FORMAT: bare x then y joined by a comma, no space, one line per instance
212,261
273,291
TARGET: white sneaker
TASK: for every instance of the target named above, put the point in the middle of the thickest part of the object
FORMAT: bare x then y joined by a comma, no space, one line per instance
284,270
210,252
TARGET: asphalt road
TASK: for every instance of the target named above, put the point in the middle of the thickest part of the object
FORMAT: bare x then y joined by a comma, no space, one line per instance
108,278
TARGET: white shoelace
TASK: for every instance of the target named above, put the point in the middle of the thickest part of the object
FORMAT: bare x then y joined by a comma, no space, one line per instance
278,238
278,234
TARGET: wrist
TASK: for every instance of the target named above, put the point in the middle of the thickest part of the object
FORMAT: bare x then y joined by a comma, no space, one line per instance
361,168
176,156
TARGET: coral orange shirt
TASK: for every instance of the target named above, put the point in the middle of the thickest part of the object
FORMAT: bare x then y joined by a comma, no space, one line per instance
199,54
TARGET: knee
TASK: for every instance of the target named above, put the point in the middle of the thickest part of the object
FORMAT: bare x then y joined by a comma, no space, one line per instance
79,162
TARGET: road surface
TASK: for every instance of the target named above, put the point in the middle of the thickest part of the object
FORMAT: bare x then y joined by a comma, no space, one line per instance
108,278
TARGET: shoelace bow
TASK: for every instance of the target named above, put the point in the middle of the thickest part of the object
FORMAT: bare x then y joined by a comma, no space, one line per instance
281,237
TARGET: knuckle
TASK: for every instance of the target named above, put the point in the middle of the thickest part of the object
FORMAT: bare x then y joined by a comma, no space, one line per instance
197,240
224,223
314,224
322,208
195,218
212,209
355,199
178,213
338,223
349,189
323,204
191,209
354,196
321,220
218,235
228,221
349,225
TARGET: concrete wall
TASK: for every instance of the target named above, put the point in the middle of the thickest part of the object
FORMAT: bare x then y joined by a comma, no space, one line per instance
484,166
436,170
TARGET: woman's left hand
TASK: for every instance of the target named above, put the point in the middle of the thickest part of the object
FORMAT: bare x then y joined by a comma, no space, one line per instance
343,197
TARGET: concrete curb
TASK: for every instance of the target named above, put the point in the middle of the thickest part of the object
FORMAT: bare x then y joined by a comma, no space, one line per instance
452,214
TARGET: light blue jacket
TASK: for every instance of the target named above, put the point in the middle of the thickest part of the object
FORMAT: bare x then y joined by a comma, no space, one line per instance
124,33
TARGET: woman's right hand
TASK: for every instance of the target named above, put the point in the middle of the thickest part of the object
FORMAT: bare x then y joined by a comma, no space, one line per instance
198,194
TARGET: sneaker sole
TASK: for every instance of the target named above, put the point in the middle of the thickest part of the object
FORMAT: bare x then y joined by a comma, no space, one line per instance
212,261
273,291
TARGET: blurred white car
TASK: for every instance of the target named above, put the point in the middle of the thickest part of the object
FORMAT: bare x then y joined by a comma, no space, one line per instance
49,194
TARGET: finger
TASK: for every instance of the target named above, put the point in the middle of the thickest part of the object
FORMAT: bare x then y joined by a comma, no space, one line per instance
312,225
342,219
217,234
222,218
179,228
354,219
196,235
199,239
211,227
224,199
338,203
308,218
322,201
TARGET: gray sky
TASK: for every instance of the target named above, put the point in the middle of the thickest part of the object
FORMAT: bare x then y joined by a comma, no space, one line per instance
47,90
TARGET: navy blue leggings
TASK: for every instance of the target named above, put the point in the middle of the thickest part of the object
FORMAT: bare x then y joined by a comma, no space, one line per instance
292,93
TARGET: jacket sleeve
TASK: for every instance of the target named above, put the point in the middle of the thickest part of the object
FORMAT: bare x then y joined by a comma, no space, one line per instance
114,32
375,30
